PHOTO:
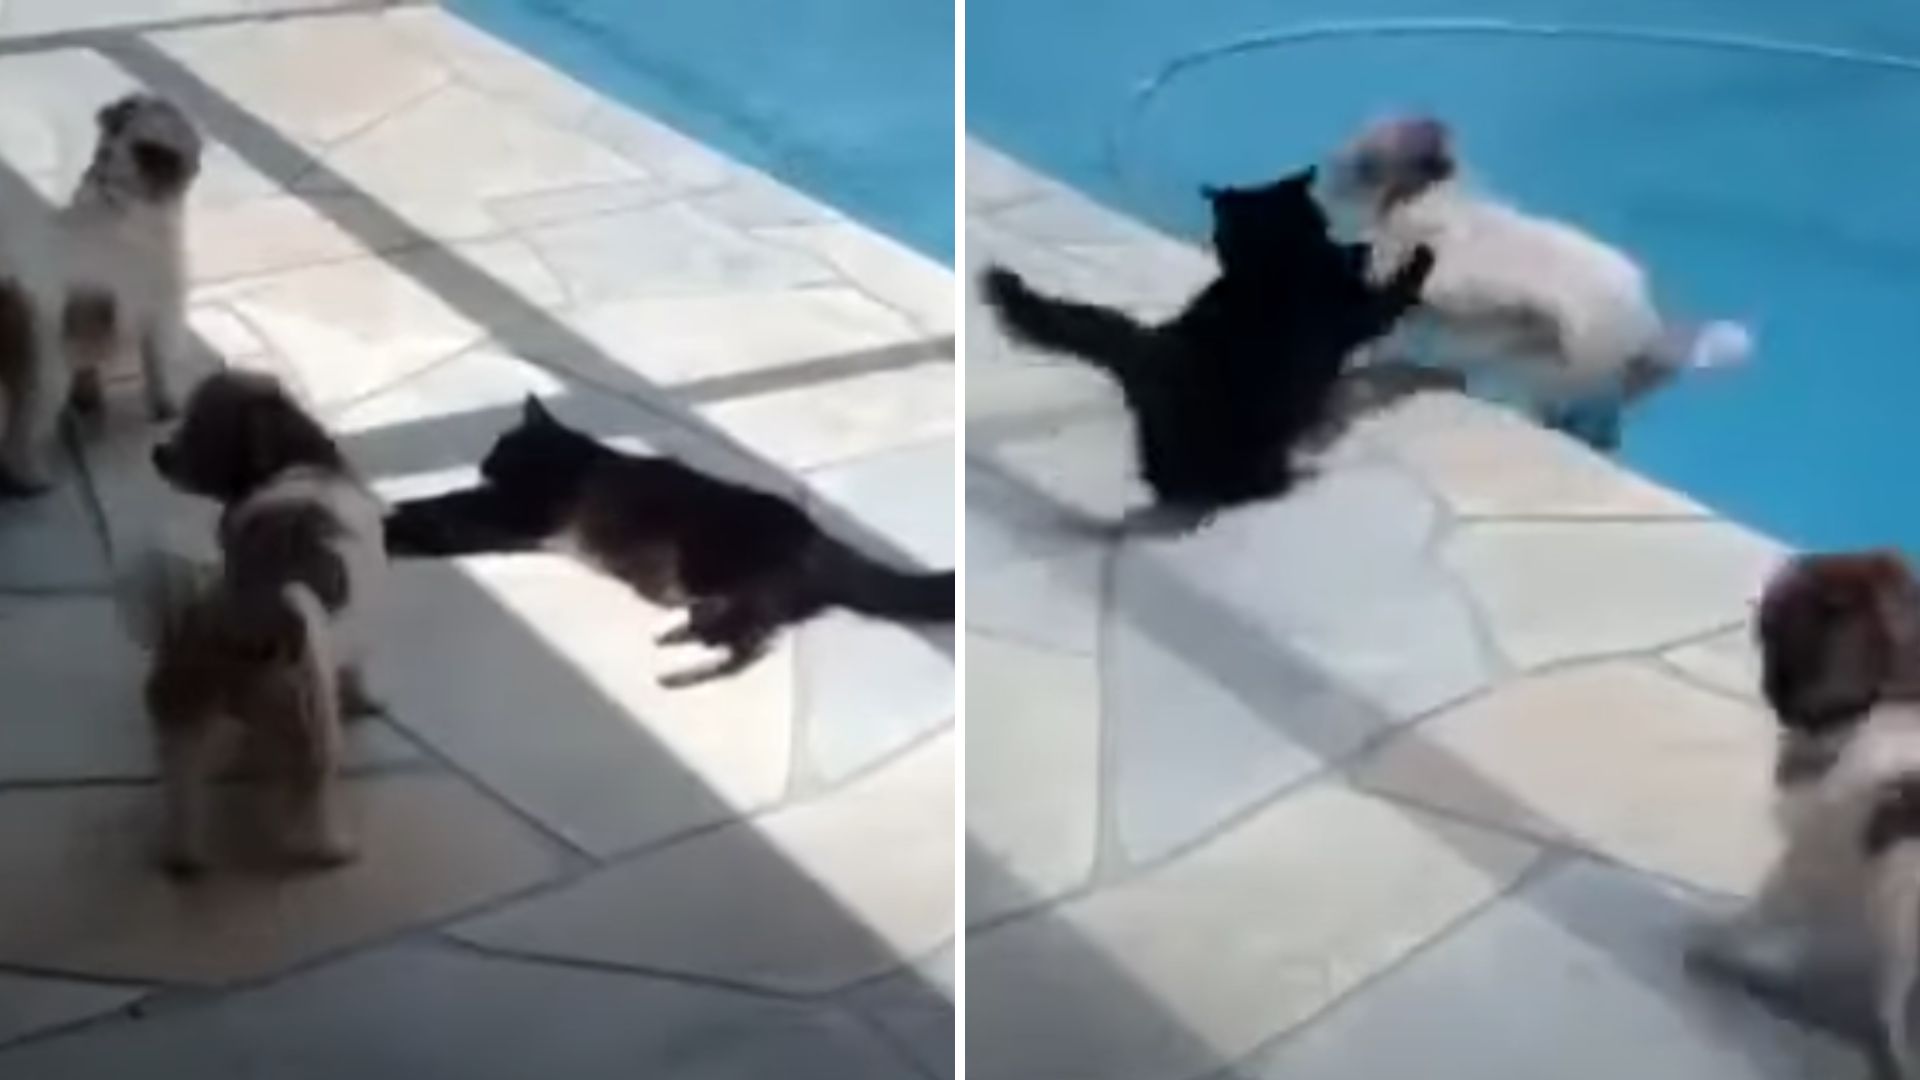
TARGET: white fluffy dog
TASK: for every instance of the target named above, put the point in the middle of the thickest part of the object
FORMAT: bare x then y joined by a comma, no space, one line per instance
123,250
1544,305
104,279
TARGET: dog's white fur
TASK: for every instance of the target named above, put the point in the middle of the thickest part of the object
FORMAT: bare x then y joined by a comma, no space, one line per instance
102,280
122,237
1549,307
1827,908
362,547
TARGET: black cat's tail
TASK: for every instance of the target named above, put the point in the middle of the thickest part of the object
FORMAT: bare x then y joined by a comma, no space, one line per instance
1108,339
844,577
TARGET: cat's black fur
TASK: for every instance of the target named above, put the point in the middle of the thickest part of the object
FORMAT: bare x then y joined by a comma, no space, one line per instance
1226,393
744,563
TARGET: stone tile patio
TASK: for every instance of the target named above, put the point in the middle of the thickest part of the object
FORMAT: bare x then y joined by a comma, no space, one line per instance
1424,771
581,873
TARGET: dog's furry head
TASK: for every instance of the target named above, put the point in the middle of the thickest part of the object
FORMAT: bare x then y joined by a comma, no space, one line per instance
147,150
1259,227
1395,159
241,429
1838,634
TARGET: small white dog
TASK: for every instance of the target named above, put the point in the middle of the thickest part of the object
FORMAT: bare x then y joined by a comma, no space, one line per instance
1565,316
103,279
124,254
1836,925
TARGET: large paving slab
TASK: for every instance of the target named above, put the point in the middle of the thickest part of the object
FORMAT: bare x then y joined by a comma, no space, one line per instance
1572,977
49,543
809,899
421,1011
1555,591
1577,967
1030,712
343,330
1620,757
831,420
441,159
866,689
549,694
916,1015
1051,601
637,344
1371,608
905,494
430,847
287,73
1485,461
1195,963
1198,736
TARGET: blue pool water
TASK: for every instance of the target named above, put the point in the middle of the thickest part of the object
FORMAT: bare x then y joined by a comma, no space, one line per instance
848,100
1778,188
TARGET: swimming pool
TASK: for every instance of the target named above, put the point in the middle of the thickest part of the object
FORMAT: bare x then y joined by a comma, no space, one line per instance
1772,181
848,100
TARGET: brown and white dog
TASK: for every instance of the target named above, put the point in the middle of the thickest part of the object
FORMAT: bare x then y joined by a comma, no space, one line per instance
124,253
267,644
1562,316
1839,637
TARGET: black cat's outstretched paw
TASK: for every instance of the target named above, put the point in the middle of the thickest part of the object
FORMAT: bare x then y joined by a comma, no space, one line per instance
1003,288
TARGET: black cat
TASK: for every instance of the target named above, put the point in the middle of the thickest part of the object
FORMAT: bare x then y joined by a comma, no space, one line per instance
1225,394
743,562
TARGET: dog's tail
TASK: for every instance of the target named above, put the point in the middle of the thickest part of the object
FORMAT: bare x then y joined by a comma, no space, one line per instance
1706,346
1103,337
845,577
320,715
154,590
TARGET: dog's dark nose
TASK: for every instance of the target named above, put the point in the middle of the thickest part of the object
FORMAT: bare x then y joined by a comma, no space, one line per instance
162,458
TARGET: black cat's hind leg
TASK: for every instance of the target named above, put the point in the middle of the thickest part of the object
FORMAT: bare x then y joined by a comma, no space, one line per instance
702,624
743,629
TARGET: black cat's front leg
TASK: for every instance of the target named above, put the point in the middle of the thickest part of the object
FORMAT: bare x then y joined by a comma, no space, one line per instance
470,521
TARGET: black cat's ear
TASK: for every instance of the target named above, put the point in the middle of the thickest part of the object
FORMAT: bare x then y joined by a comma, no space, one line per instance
533,412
